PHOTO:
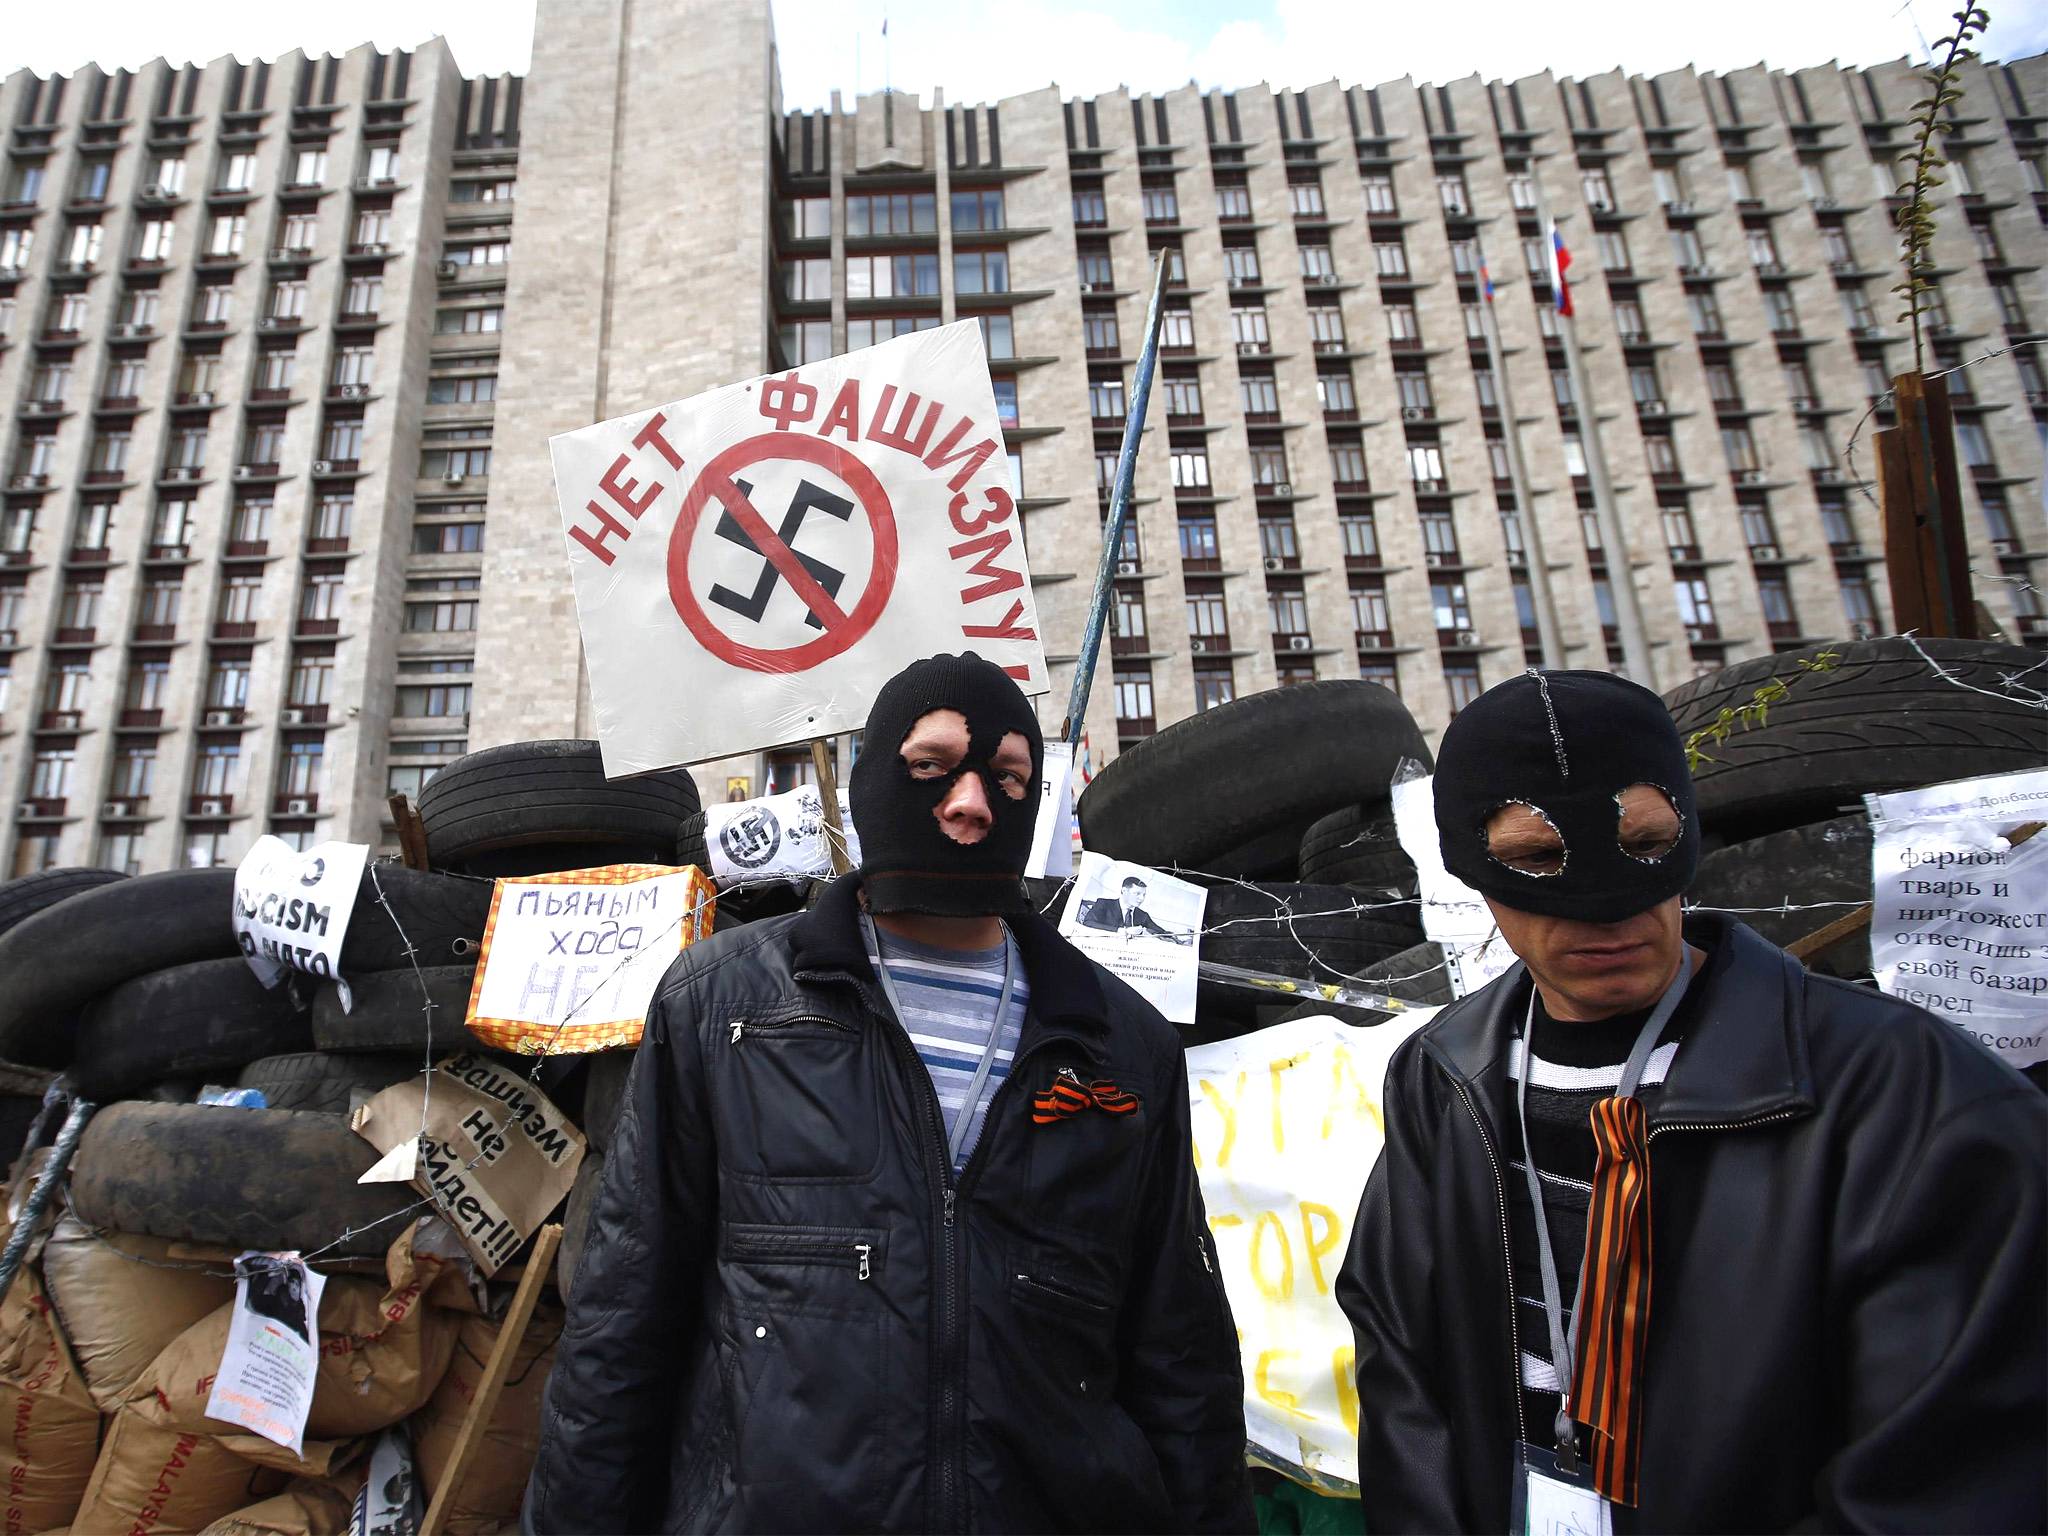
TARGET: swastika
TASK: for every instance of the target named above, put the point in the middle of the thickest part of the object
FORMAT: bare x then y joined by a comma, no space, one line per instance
808,498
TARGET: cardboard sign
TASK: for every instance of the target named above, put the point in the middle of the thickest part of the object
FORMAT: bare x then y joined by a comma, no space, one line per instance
267,1372
786,545
495,1154
1959,916
1287,1123
1141,926
292,909
777,837
1453,914
570,961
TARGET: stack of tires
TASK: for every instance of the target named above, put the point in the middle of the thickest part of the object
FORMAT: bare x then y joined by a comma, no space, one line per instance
1780,800
1279,803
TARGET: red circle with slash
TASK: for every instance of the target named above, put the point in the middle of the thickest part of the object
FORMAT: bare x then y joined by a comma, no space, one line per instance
843,627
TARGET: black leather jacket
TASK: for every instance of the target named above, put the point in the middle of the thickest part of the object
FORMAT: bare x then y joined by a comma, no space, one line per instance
1847,1285
791,1316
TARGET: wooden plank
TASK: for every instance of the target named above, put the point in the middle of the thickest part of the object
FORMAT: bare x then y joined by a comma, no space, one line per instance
539,1265
412,832
1925,540
828,801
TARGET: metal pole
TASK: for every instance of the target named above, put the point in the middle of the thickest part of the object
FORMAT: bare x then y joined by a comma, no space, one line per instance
1548,637
46,1188
1119,510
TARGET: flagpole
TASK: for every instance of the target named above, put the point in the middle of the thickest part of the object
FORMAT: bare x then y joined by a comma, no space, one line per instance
1621,579
1549,640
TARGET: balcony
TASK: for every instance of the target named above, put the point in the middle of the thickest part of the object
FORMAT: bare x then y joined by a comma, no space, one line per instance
1210,645
303,714
1286,642
1134,727
209,806
316,627
317,546
259,469
88,554
286,803
155,634
247,549
125,808
42,808
1782,629
1129,645
59,720
167,552
234,629
268,395
141,719
120,403
75,635
1374,639
105,476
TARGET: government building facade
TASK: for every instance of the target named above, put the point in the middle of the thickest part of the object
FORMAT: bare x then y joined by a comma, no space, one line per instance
282,345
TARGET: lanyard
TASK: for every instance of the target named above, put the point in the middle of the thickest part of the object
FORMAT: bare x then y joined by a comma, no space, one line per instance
965,1119
1631,1077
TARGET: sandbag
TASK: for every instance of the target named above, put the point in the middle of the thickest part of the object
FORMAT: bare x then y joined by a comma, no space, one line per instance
52,1427
307,1508
121,1299
496,1480
154,1477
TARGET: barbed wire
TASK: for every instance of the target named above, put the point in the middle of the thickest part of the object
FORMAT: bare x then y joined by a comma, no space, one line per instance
1883,398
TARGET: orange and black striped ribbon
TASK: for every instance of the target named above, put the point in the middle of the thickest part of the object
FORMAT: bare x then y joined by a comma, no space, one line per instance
1614,1314
1067,1097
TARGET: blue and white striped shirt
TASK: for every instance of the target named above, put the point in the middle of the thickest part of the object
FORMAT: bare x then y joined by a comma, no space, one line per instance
947,999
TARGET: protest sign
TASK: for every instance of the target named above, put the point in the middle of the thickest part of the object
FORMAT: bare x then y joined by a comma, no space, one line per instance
267,1372
786,545
1959,914
777,837
292,908
1052,839
1454,915
1143,927
1287,1122
495,1154
570,961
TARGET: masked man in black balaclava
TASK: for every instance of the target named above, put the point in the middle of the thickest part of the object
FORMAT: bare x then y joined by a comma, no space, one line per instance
1668,1234
898,1228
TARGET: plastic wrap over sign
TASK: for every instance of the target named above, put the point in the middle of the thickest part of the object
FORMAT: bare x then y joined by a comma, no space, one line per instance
777,837
752,564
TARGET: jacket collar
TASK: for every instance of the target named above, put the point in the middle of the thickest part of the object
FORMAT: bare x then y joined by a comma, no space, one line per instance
1744,1055
1066,996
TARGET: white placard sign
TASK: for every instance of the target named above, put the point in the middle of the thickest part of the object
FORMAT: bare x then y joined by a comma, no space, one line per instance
785,545
1287,1123
1959,917
292,909
267,1371
1454,915
1052,840
774,837
1141,926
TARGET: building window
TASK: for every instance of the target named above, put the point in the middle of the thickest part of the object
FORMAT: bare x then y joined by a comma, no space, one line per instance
1248,329
1190,469
1461,678
1241,265
1177,329
1233,204
1198,539
1347,465
1402,326
1369,613
892,213
1106,399
1390,258
468,322
320,602
312,681
1090,207
1360,537
1334,393
443,606
1452,194
1257,395
1094,267
1379,193
1213,685
908,275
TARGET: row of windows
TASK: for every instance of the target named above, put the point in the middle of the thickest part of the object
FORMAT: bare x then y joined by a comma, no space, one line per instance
305,165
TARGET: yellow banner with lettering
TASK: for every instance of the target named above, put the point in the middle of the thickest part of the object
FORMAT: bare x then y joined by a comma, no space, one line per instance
1287,1124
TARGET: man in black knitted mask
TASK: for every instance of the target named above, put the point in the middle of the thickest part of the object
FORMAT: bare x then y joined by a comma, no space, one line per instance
943,791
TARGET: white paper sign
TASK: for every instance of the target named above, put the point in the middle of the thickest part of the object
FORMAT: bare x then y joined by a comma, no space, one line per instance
785,545
1287,1123
1052,840
292,909
1141,926
1959,917
591,952
774,837
1453,914
266,1377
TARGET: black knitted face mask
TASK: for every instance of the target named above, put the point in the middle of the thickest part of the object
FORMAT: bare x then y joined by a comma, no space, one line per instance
1569,746
908,863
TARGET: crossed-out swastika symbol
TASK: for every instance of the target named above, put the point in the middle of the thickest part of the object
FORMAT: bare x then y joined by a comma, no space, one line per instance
808,498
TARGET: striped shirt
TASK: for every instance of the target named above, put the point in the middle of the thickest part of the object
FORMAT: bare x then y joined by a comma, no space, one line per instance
1575,1065
947,1001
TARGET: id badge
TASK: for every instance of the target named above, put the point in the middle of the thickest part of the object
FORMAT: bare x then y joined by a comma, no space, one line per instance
1551,1502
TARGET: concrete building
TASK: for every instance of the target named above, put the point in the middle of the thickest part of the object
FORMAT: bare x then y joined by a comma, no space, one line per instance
278,368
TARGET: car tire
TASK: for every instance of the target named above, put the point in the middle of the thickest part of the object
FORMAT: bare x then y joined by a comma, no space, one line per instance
27,895
201,1020
324,1083
501,810
1824,861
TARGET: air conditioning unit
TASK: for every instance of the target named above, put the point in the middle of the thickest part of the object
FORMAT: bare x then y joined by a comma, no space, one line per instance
1763,551
1250,348
1695,633
8,639
213,807
1298,642
1275,563
202,397
114,808
24,812
74,268
1749,477
453,477
372,248
1468,637
444,270
1127,567
153,193
220,717
125,329
182,472
1651,407
1197,644
291,717
1435,557
1241,280
1770,268
1282,488
28,482
355,391
283,253
1692,269
1415,413
1429,487
299,806
1602,207
1848,551
1827,202
1828,475
323,466
45,407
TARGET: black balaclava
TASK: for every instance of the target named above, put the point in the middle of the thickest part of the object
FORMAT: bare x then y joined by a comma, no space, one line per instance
1566,743
908,864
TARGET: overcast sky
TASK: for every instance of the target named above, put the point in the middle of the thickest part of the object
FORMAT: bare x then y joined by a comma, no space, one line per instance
979,50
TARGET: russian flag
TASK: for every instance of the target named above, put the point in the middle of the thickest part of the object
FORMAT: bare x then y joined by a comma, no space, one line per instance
1485,283
1560,263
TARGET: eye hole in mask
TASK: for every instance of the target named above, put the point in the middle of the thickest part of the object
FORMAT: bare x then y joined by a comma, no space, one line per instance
1649,824
1521,837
